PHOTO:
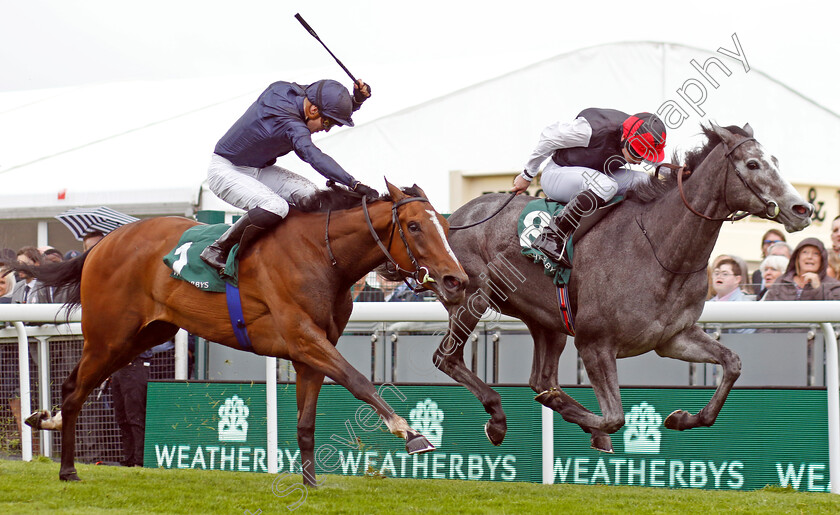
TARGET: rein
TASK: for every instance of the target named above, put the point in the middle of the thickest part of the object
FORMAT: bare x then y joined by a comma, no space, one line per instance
641,225
459,227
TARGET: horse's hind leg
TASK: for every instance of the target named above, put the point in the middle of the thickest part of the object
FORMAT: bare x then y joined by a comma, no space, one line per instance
42,419
548,346
599,359
449,358
90,372
307,389
693,345
99,360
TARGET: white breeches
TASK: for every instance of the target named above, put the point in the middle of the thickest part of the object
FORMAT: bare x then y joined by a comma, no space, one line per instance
246,187
561,183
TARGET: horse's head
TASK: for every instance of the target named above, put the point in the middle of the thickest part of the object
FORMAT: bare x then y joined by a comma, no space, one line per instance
426,248
765,193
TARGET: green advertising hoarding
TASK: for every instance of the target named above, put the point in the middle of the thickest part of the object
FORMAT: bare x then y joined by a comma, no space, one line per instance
762,436
221,426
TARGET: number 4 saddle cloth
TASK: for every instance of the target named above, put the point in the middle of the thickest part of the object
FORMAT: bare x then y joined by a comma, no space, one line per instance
187,265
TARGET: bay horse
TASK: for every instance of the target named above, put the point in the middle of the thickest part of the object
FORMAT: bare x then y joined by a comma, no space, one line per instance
294,284
638,281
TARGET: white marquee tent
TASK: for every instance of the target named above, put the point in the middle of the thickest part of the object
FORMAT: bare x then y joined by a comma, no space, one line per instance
137,146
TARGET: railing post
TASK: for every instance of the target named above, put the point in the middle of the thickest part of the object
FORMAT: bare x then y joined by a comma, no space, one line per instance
547,445
25,399
832,386
271,413
181,355
44,393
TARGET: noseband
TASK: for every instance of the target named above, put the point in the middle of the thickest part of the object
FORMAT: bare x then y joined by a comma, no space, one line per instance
771,207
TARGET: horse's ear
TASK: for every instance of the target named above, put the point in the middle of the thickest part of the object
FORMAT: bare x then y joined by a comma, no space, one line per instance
724,134
748,130
420,191
396,193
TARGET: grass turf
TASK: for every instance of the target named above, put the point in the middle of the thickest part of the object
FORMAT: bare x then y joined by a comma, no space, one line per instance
34,488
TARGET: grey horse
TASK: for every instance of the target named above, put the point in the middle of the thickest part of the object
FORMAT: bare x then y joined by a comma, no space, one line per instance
638,281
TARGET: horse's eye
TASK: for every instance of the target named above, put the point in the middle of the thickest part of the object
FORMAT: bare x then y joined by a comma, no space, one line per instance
413,227
752,164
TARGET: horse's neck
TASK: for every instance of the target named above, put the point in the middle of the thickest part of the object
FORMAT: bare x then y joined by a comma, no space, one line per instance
679,232
355,250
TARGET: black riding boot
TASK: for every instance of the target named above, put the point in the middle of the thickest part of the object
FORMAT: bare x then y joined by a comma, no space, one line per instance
216,254
552,240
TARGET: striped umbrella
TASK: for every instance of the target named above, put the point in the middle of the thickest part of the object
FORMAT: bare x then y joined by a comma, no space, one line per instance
84,220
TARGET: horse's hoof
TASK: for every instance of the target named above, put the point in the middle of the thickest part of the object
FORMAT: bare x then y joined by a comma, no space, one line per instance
418,444
71,476
495,432
678,420
602,443
34,420
546,397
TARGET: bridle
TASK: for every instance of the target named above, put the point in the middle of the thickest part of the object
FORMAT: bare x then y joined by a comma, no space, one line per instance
771,207
395,227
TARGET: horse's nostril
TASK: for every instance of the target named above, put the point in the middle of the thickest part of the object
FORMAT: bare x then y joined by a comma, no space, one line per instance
803,210
451,282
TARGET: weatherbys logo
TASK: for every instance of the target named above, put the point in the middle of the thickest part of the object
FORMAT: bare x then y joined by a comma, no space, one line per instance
427,418
642,436
233,426
642,433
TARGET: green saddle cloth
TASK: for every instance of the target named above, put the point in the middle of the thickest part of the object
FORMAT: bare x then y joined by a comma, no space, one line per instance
186,263
536,215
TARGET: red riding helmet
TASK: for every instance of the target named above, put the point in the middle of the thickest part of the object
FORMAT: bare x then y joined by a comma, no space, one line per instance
643,134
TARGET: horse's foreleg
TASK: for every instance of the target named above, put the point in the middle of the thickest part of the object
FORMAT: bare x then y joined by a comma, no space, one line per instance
312,348
449,358
548,346
693,345
307,389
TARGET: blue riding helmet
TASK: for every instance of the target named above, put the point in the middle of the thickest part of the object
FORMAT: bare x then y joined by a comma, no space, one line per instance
332,99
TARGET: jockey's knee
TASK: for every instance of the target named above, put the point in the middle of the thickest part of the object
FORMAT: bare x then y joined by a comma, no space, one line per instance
600,184
277,205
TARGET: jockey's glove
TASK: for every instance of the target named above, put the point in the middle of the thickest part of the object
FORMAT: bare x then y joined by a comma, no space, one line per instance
362,189
358,94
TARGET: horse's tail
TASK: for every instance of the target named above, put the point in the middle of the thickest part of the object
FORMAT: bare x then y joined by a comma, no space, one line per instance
65,276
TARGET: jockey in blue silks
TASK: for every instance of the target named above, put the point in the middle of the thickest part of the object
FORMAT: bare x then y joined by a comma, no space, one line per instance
587,167
284,117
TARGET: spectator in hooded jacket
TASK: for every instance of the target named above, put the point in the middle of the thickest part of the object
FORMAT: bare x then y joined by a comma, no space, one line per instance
805,277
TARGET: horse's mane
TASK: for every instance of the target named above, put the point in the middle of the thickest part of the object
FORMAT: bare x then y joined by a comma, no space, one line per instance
335,199
654,188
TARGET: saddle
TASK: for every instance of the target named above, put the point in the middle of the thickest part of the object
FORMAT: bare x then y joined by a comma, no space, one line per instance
536,215
187,265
